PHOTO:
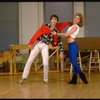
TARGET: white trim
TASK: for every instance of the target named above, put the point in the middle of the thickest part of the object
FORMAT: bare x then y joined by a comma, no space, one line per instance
79,7
20,23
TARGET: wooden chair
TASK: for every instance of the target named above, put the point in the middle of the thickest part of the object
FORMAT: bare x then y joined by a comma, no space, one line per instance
7,57
94,59
17,57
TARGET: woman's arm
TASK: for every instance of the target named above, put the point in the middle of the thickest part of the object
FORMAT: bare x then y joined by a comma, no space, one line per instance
74,28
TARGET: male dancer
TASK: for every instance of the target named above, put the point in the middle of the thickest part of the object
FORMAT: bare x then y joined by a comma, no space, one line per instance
42,38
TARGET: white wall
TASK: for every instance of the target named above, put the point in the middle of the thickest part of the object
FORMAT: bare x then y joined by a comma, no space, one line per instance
79,7
30,19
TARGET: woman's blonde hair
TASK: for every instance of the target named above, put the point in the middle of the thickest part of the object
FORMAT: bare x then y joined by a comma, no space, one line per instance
81,19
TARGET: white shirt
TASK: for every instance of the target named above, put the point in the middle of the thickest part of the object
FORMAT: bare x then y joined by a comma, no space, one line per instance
73,35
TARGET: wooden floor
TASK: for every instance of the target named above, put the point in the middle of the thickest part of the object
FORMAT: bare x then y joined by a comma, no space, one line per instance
57,87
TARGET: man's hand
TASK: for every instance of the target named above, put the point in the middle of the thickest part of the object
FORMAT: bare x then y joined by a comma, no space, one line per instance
30,46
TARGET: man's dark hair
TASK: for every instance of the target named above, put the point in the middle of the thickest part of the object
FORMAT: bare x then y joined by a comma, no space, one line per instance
55,17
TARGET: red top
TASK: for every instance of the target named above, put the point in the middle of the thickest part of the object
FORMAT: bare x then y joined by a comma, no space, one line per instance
45,30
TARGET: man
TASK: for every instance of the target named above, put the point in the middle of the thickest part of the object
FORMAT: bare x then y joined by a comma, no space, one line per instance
42,38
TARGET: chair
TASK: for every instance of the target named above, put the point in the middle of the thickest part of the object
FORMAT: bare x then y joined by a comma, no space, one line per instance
7,57
94,59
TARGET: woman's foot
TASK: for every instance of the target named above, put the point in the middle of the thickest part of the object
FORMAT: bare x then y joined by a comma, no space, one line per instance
74,79
83,78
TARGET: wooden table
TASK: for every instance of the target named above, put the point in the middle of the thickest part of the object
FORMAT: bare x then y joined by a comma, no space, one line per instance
55,51
16,47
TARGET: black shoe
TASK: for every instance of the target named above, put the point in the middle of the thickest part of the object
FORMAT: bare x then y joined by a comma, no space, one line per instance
74,79
83,78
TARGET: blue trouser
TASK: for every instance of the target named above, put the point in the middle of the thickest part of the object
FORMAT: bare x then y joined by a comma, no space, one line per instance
73,54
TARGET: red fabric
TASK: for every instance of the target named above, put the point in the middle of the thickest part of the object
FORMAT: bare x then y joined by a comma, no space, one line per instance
45,30
55,40
42,30
62,25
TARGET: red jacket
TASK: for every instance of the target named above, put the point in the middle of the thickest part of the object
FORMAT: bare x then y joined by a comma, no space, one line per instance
45,30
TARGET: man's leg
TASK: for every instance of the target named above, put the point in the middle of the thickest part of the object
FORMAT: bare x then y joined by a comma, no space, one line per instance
61,61
62,65
29,62
45,57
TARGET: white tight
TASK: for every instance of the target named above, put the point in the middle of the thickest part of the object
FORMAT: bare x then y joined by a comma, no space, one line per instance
39,47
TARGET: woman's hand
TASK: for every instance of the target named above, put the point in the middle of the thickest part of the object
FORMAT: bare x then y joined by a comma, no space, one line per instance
59,34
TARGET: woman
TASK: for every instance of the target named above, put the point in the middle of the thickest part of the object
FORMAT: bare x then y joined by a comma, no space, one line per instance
71,34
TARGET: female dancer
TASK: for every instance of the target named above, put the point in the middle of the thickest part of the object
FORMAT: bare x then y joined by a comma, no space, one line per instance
71,34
